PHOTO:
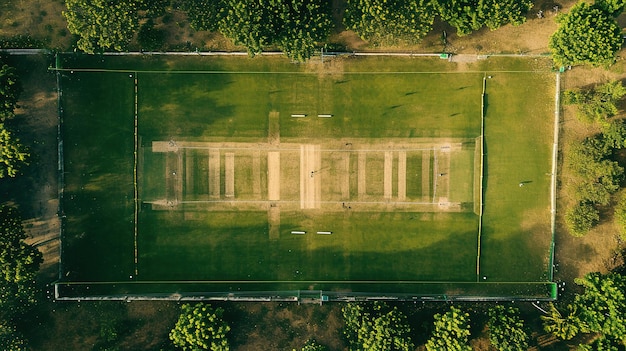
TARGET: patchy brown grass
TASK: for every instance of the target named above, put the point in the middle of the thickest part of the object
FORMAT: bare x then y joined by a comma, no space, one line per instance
40,19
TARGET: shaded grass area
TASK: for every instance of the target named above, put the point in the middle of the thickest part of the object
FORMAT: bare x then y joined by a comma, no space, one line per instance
98,152
199,106
363,246
518,143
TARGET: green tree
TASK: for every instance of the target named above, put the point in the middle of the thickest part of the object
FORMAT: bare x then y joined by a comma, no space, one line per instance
564,327
620,215
602,305
303,24
507,331
586,35
311,345
204,14
470,15
13,155
19,263
10,89
451,332
293,25
376,327
581,218
388,21
602,344
11,339
102,24
611,7
597,104
200,327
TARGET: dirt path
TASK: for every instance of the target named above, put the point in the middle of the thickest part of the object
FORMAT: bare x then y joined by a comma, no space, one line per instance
229,174
426,176
214,173
362,171
273,175
401,175
388,172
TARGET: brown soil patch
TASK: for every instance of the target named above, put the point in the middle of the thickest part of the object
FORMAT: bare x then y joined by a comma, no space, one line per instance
39,19
285,326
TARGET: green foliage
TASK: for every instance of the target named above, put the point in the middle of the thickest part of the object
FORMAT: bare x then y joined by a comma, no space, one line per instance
581,218
598,177
614,133
19,263
304,23
153,8
586,35
204,14
603,344
563,327
13,155
102,24
612,7
451,332
293,25
507,331
11,340
387,21
311,345
597,104
10,89
602,305
470,15
200,327
620,215
151,38
376,327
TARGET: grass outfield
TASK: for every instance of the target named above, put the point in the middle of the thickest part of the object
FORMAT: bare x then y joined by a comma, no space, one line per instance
516,222
372,102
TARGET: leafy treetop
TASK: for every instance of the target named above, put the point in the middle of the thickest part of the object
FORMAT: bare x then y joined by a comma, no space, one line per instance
200,327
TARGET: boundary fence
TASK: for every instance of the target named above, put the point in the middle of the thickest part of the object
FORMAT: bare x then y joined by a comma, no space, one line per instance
320,291
519,291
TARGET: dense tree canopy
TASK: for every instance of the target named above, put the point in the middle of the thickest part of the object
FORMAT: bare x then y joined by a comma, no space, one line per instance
599,309
451,332
10,90
597,104
564,327
386,21
602,305
200,327
471,15
102,24
13,154
586,35
10,339
620,215
507,331
293,25
19,262
376,327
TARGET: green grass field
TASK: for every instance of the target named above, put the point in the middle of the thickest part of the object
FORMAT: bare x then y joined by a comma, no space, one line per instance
380,237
